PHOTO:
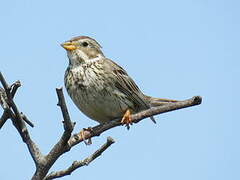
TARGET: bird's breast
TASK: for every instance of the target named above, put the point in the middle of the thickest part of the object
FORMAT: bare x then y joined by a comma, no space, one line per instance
92,94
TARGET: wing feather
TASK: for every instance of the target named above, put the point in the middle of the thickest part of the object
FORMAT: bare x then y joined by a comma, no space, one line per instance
125,84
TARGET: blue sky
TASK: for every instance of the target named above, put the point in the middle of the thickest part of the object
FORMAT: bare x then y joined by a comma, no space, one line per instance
172,49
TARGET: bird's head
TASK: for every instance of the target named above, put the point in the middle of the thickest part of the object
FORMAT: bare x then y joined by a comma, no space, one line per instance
82,49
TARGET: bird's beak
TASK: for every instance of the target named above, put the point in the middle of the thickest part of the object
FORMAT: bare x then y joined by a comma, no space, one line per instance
69,46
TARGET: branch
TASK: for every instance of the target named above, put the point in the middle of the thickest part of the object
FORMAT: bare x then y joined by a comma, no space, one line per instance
77,164
7,111
11,111
15,87
98,130
62,145
68,125
17,120
4,99
3,102
24,117
4,118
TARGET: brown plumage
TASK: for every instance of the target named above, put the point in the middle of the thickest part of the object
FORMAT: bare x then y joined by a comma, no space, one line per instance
99,87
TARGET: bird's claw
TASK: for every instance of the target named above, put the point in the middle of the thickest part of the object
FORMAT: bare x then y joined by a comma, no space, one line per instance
127,120
82,135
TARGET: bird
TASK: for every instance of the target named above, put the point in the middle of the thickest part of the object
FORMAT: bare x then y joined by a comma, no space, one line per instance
99,87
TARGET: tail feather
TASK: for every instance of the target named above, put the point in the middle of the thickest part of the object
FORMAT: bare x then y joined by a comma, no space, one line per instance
153,119
159,101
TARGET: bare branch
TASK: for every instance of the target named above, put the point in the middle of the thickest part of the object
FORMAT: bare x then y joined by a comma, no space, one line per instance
15,87
62,145
68,125
4,103
97,130
20,123
77,164
4,118
3,99
24,117
17,118
35,152
4,83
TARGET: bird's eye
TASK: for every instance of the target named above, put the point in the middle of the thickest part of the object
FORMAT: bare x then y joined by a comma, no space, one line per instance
85,44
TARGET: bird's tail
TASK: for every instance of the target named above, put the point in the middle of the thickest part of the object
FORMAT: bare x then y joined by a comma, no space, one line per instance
153,102
153,119
159,101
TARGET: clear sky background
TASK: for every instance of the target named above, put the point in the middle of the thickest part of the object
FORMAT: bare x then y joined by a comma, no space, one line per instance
172,49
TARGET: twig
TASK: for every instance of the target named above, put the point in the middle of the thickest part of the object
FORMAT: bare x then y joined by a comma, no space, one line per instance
24,117
6,116
15,87
68,125
77,164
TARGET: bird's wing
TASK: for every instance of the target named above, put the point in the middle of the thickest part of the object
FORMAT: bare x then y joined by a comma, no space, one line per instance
125,84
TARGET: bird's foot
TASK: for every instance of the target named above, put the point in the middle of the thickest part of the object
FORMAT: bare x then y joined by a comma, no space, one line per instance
82,135
127,120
